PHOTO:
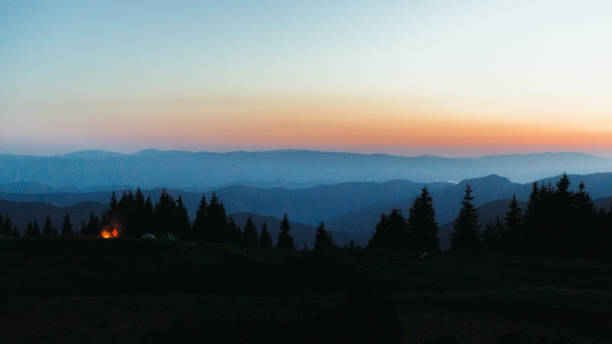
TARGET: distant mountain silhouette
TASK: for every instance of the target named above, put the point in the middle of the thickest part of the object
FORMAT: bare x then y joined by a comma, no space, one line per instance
308,205
300,232
92,154
180,169
22,187
23,212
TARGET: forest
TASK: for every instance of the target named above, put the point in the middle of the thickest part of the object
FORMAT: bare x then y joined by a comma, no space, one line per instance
556,222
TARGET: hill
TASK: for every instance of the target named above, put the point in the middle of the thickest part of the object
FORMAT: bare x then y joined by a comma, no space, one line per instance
23,212
126,291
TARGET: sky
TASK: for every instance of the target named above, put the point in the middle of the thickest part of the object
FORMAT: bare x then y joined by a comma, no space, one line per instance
451,78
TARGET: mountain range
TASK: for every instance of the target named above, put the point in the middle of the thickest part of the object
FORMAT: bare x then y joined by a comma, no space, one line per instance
351,210
200,171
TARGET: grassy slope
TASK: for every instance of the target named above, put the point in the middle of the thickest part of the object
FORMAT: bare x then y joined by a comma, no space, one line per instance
103,291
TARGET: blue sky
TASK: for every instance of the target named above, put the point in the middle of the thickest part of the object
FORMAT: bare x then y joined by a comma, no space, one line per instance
407,77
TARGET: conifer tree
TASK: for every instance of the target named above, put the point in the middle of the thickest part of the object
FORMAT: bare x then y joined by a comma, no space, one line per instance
165,210
149,216
139,222
83,228
36,229
233,233
285,240
6,226
323,239
391,231
199,228
93,225
513,226
265,240
67,231
217,226
250,233
113,202
48,230
422,224
181,220
466,229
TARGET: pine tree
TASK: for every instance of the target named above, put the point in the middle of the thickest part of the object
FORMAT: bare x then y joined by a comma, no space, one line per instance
422,224
391,231
233,233
149,216
113,202
181,220
83,228
217,226
6,226
250,233
93,225
165,210
513,227
139,223
67,231
199,228
265,240
581,239
465,236
531,221
285,240
323,239
48,230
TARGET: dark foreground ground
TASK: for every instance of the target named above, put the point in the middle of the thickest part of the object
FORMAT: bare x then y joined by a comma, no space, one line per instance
125,291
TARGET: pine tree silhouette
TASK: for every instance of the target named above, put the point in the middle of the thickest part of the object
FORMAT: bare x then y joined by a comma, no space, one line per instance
200,225
465,236
182,227
93,225
265,240
285,240
513,226
165,210
250,233
6,226
67,231
422,224
217,229
233,233
113,202
48,230
323,239
391,231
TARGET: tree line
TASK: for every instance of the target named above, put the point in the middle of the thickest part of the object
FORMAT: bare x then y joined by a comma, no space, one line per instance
135,215
556,221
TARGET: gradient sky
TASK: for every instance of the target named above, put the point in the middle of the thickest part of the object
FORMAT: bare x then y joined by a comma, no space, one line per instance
402,77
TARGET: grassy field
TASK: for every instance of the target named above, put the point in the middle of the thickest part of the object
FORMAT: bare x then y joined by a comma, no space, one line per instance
125,291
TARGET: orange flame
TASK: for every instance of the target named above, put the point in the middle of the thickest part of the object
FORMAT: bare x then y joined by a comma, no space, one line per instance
106,234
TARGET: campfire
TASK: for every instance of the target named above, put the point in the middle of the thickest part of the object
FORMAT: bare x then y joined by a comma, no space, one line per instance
107,234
